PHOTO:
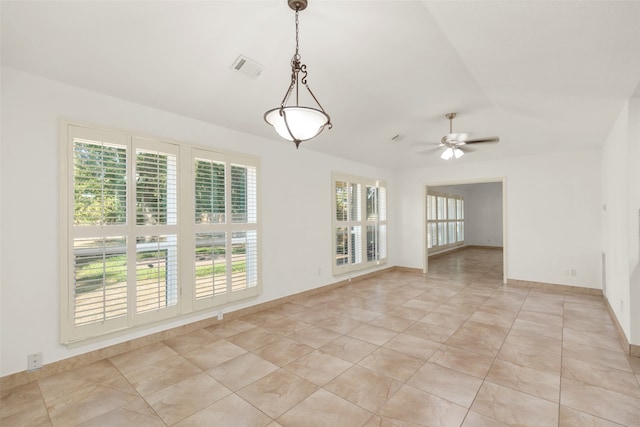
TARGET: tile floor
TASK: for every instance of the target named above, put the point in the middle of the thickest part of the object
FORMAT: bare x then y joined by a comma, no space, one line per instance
449,349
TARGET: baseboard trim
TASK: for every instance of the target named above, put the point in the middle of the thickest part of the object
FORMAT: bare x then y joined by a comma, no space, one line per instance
554,287
73,362
629,349
462,248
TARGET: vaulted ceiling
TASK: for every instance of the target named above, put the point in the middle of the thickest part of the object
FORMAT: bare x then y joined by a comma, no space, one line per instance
541,75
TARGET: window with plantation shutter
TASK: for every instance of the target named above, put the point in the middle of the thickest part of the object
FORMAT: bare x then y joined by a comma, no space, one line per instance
225,228
445,221
359,223
127,259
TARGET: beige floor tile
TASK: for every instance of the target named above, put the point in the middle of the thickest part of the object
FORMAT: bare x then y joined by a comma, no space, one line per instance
313,316
214,354
372,334
277,392
289,308
414,346
322,409
588,338
600,402
393,364
229,329
253,338
492,316
138,414
262,317
61,387
513,407
600,356
531,357
473,419
463,361
490,332
527,380
314,336
572,418
241,371
365,388
430,332
318,367
339,324
410,405
350,349
393,323
188,342
23,406
602,376
524,327
136,359
590,326
446,383
550,345
543,318
360,315
475,343
413,309
283,351
445,320
285,326
230,411
552,305
181,400
161,374
86,403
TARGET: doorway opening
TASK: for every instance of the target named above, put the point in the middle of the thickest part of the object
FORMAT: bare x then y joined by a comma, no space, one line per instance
467,214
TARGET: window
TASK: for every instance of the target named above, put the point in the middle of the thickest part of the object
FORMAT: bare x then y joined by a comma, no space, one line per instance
445,220
126,257
359,223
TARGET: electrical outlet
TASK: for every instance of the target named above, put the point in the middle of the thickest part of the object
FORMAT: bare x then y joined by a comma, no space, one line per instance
220,315
574,273
34,361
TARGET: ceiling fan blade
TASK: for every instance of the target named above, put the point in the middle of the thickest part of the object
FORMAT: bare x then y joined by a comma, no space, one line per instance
479,140
465,149
423,143
430,151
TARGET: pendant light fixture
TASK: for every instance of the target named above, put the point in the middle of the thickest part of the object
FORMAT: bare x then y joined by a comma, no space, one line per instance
295,122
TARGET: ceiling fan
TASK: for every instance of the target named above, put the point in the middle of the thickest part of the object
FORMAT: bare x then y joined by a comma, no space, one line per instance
456,143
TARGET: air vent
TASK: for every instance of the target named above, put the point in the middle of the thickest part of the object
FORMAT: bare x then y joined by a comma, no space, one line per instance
247,67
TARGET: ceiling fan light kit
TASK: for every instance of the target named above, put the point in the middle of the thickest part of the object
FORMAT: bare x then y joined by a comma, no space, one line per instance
455,143
294,122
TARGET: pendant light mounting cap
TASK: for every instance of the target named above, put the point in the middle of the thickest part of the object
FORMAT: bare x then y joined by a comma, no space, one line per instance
297,4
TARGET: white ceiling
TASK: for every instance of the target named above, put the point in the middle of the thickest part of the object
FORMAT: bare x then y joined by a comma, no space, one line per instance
542,75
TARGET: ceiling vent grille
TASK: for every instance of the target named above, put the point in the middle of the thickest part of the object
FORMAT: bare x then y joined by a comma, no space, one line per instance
247,67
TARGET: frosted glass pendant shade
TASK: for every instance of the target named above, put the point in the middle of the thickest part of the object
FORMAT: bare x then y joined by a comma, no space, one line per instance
297,124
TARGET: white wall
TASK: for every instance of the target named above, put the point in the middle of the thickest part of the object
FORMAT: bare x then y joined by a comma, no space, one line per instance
296,217
483,214
621,215
553,213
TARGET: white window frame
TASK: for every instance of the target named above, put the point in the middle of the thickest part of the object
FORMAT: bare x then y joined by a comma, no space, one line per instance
434,223
180,226
358,251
